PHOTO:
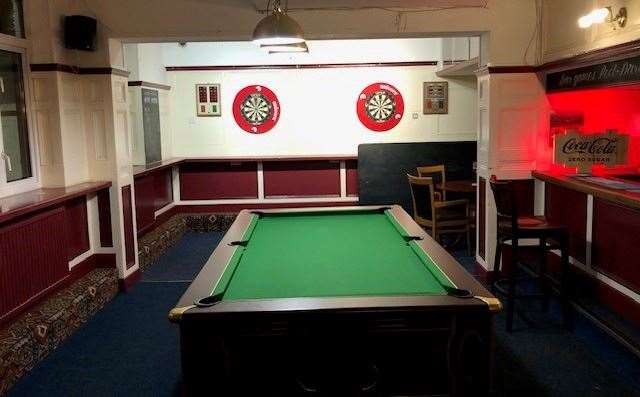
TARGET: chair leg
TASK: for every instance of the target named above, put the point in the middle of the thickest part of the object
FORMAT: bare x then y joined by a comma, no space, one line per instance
544,281
511,292
496,266
565,283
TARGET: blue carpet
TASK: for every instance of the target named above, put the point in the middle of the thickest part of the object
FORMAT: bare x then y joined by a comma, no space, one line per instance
185,259
130,349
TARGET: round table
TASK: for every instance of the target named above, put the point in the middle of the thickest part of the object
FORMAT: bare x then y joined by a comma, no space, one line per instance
460,186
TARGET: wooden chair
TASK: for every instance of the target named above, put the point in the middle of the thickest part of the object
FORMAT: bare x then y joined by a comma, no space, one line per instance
512,227
437,173
436,216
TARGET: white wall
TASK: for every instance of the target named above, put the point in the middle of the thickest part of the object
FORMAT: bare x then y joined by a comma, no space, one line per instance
320,51
318,105
145,62
563,37
318,111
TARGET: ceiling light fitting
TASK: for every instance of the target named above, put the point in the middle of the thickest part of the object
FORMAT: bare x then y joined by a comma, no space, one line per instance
601,15
278,28
285,48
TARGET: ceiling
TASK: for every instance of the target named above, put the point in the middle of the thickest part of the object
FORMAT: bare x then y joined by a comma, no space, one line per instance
363,4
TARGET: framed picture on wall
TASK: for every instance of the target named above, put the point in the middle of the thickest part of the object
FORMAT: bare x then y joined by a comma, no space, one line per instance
435,97
208,100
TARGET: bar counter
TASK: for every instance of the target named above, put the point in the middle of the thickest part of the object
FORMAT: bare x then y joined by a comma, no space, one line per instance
604,229
619,196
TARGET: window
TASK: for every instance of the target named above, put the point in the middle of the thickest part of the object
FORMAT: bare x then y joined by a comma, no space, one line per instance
14,146
18,171
11,20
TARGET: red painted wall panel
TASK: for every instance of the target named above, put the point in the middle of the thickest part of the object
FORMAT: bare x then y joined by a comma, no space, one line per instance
104,215
127,214
163,186
76,227
569,207
144,190
302,178
352,177
33,256
616,243
153,191
218,180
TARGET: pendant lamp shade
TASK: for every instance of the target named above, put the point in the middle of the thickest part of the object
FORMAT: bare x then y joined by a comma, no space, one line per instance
285,48
278,28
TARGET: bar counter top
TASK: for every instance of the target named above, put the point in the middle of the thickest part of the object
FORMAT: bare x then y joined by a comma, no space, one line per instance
620,196
17,205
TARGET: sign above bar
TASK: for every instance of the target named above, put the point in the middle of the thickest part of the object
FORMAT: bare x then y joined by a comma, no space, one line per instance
624,71
580,151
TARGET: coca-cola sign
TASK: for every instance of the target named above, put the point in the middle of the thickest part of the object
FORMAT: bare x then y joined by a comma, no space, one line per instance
582,151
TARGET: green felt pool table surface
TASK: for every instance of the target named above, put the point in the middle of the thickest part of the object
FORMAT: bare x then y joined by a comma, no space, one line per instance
328,254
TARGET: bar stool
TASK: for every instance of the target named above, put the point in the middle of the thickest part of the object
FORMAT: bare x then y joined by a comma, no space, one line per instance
513,227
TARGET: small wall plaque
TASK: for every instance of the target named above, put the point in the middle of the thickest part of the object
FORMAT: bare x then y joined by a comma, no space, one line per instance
582,151
436,97
208,100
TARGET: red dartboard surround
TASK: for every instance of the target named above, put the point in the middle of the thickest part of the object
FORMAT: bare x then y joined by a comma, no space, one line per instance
380,107
256,109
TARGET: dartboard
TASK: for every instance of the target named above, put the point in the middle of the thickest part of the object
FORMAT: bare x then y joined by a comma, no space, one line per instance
256,109
380,107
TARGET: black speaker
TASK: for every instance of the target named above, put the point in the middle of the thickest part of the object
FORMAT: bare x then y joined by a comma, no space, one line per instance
80,32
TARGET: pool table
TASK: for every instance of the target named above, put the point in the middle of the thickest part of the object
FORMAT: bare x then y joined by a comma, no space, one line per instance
334,301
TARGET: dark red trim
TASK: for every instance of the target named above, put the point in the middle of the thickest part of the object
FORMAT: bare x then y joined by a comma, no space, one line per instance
107,70
299,66
78,271
507,69
57,67
127,221
127,284
224,208
17,205
148,84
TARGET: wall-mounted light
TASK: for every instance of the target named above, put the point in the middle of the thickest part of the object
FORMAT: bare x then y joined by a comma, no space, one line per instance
601,15
277,28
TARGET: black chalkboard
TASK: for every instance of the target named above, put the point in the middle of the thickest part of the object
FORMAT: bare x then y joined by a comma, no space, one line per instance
151,126
382,168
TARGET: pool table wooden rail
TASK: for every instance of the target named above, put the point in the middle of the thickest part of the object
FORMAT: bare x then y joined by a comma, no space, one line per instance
213,270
